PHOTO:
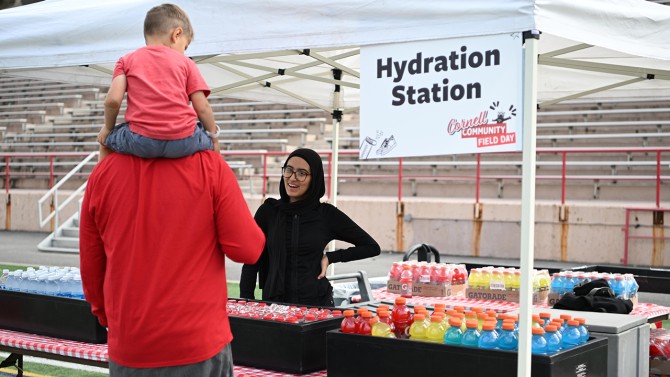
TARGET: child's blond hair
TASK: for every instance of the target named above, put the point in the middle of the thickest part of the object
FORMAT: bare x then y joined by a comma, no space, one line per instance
163,18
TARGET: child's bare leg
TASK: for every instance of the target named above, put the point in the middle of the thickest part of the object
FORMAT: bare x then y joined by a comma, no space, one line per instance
104,151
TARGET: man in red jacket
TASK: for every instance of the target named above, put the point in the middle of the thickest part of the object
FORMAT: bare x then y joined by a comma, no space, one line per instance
154,234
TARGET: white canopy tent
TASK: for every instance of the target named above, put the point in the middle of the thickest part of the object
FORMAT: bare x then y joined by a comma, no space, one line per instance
242,46
286,51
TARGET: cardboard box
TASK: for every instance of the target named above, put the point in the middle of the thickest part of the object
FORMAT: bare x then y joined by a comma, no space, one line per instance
428,290
539,297
296,348
58,317
353,355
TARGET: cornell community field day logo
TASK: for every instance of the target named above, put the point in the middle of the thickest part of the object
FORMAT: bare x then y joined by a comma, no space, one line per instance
485,130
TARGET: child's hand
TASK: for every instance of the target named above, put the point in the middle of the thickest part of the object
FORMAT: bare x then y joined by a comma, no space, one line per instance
102,135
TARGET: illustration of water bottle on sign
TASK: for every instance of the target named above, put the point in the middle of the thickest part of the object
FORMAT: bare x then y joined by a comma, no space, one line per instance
370,143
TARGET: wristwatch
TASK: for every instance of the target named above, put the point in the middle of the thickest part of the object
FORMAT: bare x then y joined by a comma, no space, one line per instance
214,135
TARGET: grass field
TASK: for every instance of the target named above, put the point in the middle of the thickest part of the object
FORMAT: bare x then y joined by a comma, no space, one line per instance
39,370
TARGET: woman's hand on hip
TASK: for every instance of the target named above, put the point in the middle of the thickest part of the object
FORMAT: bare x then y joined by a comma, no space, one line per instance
324,267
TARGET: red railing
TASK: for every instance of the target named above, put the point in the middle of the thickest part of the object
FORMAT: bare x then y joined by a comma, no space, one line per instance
400,176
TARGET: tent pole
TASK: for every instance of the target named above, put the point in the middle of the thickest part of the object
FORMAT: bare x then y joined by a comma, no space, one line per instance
528,201
337,117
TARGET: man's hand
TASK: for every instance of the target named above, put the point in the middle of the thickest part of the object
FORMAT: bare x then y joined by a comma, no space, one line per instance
324,267
102,135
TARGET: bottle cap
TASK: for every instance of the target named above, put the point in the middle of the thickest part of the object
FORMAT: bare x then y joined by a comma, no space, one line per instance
455,322
471,324
400,301
545,315
573,323
551,328
367,314
508,326
418,317
349,313
566,317
489,326
538,331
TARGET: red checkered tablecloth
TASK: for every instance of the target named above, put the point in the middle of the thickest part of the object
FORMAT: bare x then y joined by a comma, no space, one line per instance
79,350
641,309
98,352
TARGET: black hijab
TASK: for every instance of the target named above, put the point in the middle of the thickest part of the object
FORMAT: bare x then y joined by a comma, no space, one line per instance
276,240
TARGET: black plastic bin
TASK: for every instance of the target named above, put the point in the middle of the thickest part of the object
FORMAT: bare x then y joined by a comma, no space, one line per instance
351,355
58,317
296,348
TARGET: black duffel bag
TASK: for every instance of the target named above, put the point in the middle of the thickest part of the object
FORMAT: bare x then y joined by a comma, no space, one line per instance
594,296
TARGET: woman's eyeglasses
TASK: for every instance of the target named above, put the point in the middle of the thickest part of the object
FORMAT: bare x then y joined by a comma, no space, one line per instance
300,174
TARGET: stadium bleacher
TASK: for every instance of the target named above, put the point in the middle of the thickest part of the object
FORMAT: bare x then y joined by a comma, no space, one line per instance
41,116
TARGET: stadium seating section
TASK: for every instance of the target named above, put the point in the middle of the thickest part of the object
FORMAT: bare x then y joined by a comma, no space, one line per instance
61,119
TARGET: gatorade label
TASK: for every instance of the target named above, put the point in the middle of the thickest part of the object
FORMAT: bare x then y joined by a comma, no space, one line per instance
497,285
406,288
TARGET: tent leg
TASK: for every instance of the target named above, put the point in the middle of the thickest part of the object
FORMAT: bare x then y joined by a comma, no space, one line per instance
528,200
337,117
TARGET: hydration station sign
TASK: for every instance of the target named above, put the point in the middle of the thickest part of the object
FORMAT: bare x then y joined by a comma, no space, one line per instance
449,96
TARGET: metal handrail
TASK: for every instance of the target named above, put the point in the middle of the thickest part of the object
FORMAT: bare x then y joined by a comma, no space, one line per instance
403,164
53,194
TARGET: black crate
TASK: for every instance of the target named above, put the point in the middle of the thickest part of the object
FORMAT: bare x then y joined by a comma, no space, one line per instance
297,348
351,355
58,317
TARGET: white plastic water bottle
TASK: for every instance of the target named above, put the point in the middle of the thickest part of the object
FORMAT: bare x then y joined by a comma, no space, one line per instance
40,283
51,285
64,286
77,289
11,282
3,278
24,282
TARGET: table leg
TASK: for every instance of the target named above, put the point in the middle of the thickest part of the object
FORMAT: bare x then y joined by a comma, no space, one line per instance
14,360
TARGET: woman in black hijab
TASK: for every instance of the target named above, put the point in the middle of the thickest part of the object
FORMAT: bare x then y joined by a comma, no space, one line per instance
297,228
